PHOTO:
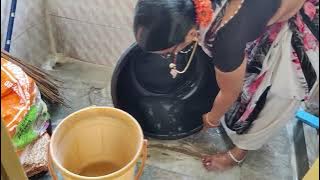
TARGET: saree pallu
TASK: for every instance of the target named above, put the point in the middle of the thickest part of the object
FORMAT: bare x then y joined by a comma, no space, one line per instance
282,72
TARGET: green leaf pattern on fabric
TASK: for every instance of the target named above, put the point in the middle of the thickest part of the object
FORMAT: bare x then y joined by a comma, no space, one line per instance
31,126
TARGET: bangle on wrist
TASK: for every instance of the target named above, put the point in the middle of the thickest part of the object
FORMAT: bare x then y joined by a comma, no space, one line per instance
210,123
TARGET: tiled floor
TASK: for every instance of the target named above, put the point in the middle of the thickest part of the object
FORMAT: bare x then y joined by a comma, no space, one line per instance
87,85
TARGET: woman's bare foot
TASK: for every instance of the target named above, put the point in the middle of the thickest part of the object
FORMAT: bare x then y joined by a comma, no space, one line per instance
223,161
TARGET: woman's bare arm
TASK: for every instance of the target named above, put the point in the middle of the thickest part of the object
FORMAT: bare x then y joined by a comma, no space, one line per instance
287,10
230,85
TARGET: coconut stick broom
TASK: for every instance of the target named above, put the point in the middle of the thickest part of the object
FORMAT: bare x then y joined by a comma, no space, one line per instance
47,84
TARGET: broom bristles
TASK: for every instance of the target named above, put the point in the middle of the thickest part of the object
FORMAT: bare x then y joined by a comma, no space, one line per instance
47,84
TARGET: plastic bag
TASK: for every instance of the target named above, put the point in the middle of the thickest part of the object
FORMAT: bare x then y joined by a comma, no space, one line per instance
25,114
33,125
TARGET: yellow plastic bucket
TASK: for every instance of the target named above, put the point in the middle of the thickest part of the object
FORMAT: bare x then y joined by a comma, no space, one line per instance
97,143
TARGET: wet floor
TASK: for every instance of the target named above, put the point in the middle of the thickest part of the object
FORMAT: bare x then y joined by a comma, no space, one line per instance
87,84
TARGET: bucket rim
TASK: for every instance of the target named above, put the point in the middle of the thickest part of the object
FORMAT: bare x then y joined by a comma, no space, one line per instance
114,174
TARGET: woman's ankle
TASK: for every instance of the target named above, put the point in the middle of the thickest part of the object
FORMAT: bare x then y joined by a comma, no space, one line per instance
239,153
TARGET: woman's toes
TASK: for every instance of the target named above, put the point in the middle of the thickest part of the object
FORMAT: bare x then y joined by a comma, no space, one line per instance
206,163
206,158
218,162
211,166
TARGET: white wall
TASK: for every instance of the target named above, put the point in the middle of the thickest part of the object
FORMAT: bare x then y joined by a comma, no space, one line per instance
95,31
29,40
4,18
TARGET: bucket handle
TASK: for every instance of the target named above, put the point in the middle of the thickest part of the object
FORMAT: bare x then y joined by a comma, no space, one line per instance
144,155
50,167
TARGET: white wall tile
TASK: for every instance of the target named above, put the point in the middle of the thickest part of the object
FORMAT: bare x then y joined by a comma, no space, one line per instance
29,39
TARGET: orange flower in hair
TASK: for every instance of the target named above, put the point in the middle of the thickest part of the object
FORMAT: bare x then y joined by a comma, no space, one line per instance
204,12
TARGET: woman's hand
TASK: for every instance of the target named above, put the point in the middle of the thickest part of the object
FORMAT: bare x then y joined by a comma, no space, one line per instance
209,122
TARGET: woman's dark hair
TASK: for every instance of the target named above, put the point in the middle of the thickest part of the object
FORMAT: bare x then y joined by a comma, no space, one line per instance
161,24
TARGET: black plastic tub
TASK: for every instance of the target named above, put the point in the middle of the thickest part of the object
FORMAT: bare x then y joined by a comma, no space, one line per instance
166,108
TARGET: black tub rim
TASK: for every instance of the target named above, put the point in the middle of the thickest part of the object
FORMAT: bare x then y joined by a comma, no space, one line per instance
115,74
121,63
